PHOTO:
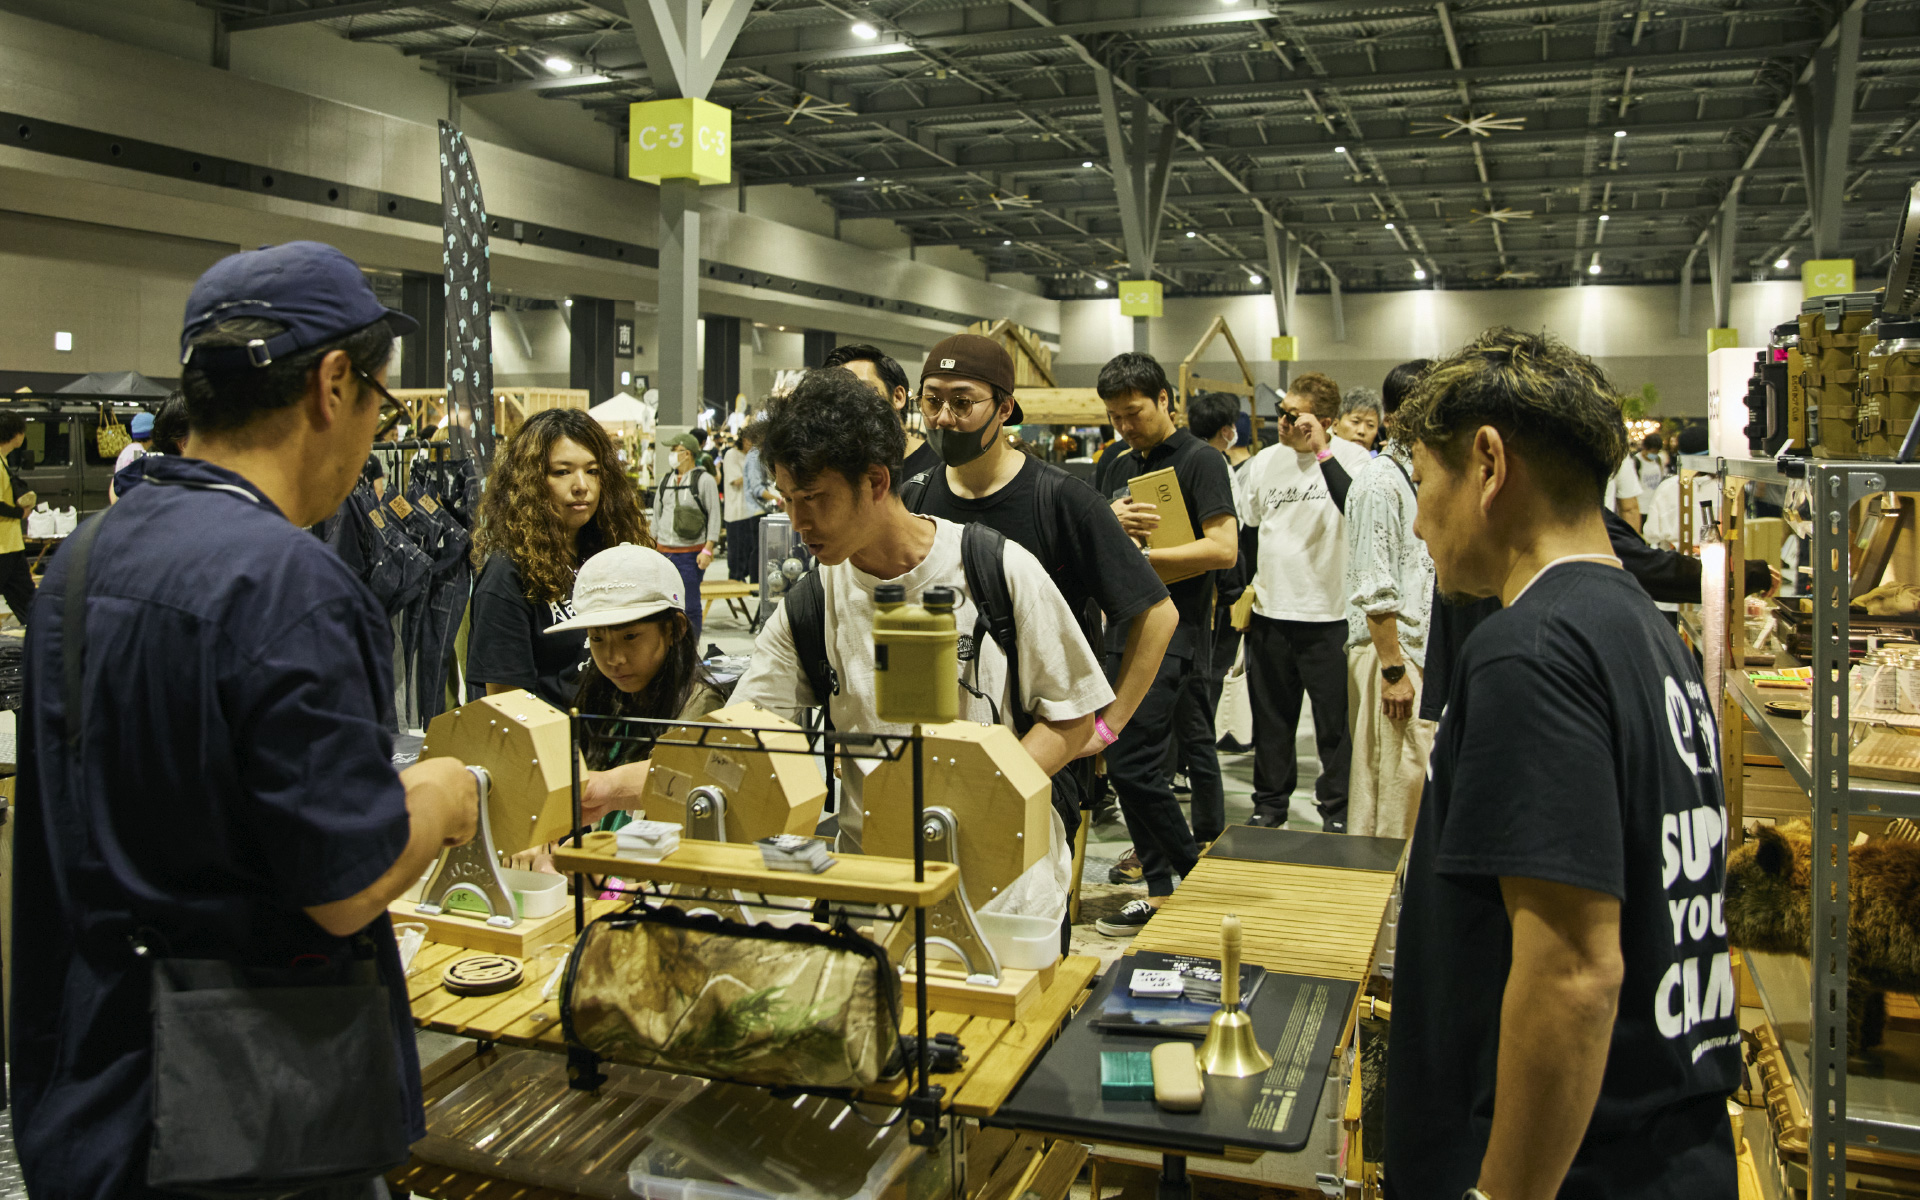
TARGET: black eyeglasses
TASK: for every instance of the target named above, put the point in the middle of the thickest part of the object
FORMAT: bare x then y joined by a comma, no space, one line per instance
376,385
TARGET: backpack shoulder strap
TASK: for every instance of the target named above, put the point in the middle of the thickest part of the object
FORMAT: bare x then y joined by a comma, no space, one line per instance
914,491
807,623
1046,521
983,557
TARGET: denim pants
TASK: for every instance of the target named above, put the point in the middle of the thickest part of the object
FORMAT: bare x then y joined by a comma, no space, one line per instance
743,549
1288,661
688,562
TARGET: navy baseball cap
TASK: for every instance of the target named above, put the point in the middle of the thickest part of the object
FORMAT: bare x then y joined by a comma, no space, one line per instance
314,290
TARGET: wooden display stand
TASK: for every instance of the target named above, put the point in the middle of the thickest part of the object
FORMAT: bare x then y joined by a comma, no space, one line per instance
454,928
522,741
1002,801
767,793
1189,383
512,406
1013,1000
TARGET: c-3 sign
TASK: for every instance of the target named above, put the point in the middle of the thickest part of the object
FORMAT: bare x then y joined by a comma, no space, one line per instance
680,139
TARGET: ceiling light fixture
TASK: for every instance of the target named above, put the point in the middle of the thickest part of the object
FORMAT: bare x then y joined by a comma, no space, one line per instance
859,178
1619,133
556,63
1593,268
1255,280
1339,149
568,302
1389,224
1008,242
865,31
1781,263
1192,233
1420,273
1087,165
1605,217
1101,284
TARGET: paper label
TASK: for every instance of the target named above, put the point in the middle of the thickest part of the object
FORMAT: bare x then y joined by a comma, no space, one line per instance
400,507
725,770
379,522
430,504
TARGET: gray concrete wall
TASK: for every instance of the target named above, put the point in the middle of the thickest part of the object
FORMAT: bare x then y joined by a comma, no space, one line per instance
302,100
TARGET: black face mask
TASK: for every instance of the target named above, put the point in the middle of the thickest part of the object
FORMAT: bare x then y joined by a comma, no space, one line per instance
958,447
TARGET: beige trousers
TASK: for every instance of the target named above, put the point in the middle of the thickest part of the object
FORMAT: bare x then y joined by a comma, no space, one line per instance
1389,757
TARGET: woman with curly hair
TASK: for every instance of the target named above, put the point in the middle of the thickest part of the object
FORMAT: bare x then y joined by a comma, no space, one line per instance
557,496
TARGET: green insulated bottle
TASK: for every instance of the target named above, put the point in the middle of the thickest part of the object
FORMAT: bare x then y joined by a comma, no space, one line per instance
916,664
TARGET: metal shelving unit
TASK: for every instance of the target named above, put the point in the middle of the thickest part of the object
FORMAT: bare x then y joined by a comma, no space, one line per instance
1887,1108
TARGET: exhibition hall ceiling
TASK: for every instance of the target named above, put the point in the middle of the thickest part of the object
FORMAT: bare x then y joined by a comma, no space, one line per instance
1458,143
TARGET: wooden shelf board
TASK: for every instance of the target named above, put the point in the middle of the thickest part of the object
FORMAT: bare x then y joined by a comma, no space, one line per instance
853,878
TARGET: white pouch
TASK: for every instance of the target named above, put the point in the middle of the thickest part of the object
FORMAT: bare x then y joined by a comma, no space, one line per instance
65,521
1234,718
41,522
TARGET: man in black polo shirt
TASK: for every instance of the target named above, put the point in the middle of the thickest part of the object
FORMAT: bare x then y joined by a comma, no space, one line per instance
966,399
878,370
1139,406
1564,1013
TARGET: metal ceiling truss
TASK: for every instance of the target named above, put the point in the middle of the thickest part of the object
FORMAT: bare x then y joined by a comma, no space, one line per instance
979,124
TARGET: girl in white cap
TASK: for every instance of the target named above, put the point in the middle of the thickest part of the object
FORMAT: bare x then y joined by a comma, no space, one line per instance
645,663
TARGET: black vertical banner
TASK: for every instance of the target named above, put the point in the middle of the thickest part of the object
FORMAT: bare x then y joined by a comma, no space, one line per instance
469,301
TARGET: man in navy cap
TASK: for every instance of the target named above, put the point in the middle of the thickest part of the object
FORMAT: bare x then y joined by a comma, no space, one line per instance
217,782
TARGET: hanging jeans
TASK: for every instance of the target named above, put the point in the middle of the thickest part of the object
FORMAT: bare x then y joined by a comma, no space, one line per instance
687,562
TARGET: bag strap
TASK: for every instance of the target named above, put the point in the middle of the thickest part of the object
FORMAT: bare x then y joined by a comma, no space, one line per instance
73,632
983,556
807,623
1403,474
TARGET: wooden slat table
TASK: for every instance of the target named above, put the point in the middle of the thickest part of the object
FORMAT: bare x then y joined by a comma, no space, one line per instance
1294,918
998,1052
734,591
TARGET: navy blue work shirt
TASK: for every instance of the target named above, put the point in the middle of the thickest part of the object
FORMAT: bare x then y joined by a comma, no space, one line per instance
237,769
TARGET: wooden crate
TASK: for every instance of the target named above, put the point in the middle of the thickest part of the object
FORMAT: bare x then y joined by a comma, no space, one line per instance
512,406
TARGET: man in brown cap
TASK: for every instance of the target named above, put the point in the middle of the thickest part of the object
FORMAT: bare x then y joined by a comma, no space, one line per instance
966,401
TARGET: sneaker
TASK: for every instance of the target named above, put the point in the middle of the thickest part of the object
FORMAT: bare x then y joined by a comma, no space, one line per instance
1128,921
1232,745
1181,786
1265,820
1334,824
1128,869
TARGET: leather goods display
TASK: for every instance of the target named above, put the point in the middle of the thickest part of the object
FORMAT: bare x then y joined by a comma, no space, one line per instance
796,1007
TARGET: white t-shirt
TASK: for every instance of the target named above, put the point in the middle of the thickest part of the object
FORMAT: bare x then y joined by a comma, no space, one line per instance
1303,539
733,495
1625,484
1060,678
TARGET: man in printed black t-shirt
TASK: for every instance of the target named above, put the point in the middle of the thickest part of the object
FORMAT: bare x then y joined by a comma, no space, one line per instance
1140,408
1564,1013
966,400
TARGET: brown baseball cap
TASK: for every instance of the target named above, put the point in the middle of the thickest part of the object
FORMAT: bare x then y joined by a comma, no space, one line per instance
970,356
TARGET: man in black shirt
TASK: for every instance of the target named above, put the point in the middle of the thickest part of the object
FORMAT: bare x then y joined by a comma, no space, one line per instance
1564,1011
966,399
879,370
1139,406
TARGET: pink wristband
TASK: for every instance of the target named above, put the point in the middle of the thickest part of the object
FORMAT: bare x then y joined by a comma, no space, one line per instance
1107,735
1323,455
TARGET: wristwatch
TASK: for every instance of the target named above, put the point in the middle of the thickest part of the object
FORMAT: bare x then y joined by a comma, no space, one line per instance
1393,674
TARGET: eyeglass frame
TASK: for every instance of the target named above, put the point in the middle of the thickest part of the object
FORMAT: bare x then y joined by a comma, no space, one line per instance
998,397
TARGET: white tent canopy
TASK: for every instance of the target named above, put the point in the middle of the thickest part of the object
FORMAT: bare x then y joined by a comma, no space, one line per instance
622,411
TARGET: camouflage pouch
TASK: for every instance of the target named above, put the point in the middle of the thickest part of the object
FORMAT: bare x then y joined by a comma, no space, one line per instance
702,995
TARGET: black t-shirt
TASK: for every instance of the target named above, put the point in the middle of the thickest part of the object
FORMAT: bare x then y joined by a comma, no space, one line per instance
1579,748
923,459
1207,487
1092,557
507,642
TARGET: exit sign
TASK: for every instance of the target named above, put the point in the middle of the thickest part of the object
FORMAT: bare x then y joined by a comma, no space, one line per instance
679,139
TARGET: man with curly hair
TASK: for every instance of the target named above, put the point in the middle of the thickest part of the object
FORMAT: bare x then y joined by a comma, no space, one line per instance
1564,1015
837,449
557,497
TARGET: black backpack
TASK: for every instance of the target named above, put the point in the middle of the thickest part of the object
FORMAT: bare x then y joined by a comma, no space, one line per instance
982,551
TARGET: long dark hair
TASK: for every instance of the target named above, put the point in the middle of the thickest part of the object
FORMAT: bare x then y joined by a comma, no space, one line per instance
663,697
518,518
